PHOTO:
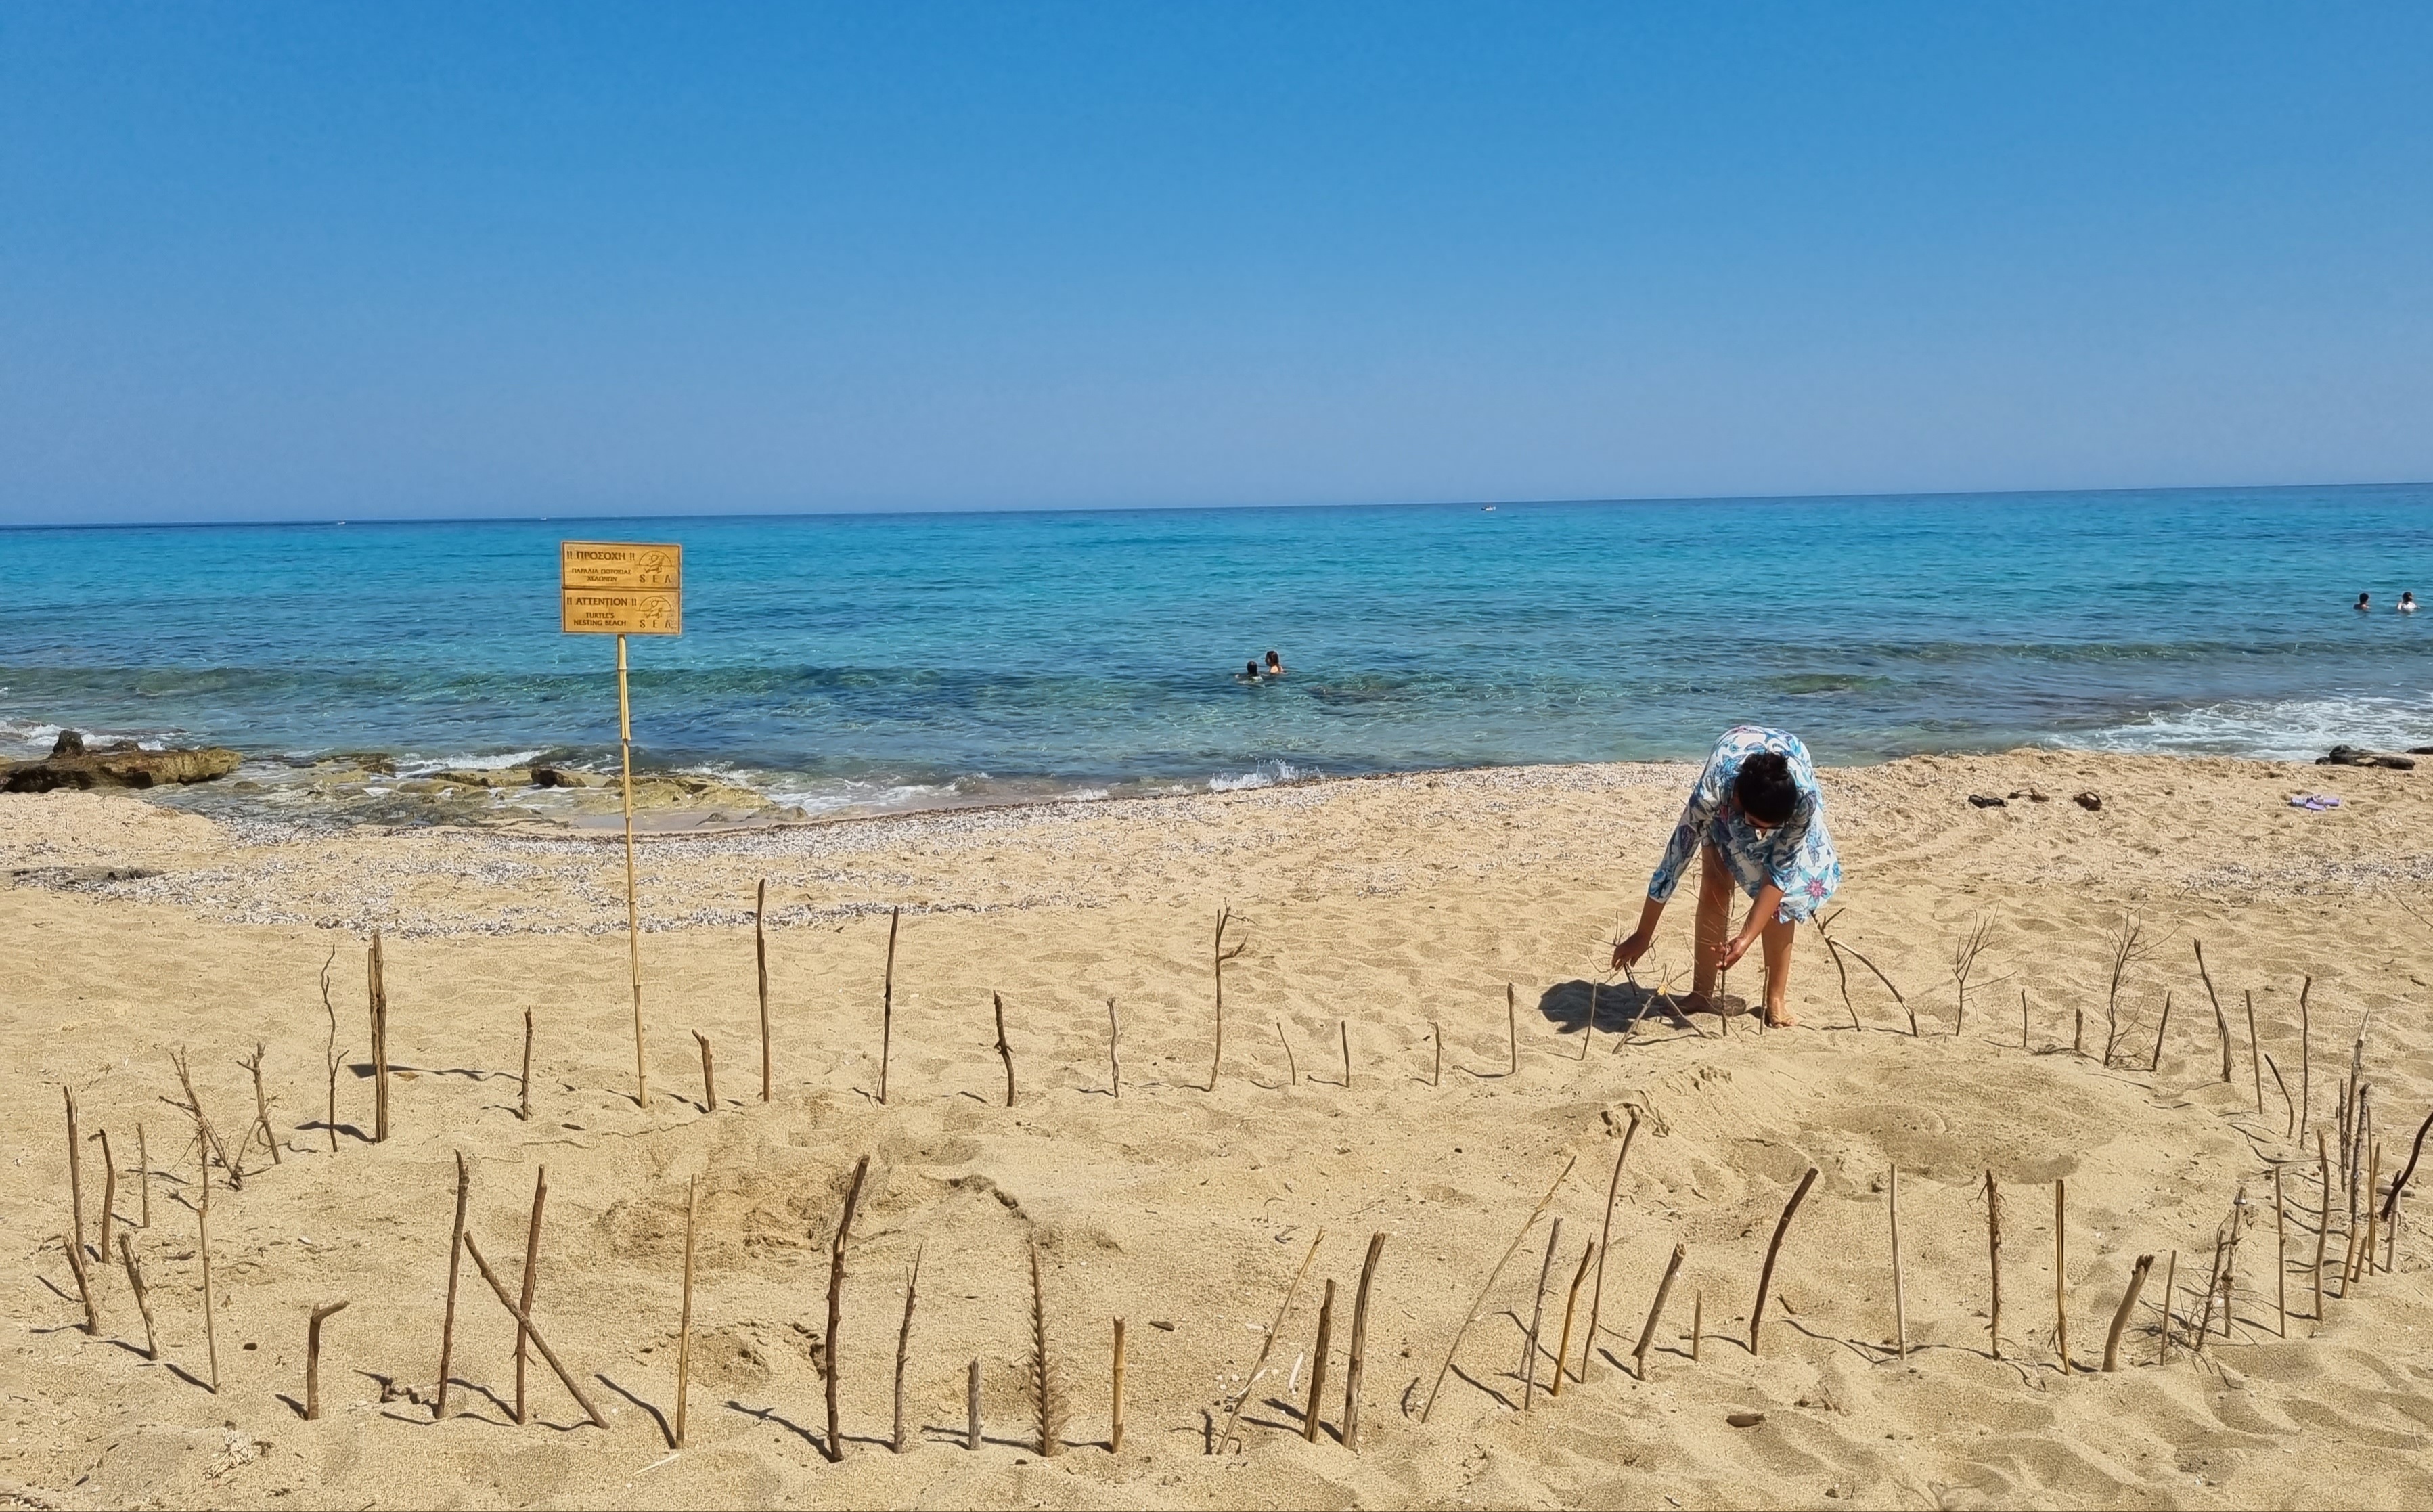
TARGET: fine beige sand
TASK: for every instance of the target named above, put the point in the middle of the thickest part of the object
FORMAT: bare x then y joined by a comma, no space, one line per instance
1375,909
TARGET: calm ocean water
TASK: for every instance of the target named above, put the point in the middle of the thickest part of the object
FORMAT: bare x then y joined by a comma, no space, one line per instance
876,661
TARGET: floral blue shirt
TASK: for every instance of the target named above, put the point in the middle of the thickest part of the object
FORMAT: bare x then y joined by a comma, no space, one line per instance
1796,856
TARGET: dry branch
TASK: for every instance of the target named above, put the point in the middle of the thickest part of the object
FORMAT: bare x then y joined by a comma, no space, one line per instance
1359,1346
835,1446
1765,1277
1507,1259
524,1323
1604,1245
1275,1328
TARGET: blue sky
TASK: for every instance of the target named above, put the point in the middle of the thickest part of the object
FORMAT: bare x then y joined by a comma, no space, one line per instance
327,261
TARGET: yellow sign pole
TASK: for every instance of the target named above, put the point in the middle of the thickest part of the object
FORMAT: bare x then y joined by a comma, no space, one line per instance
633,913
617,588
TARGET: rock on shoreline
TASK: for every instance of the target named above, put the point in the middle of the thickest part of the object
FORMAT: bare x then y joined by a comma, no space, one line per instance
123,764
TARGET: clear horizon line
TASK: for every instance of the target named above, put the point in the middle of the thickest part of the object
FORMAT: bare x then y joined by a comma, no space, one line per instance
1110,509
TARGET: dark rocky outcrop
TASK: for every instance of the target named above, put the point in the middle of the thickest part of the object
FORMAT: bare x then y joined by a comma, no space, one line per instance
121,764
2351,755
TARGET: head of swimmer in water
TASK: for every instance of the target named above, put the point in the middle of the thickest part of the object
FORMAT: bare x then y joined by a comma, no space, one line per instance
1764,790
2363,600
1275,665
1250,670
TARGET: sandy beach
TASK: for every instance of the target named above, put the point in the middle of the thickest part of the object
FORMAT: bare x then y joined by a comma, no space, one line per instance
1375,916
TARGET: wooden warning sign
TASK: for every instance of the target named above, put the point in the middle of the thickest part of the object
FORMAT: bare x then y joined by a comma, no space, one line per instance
621,588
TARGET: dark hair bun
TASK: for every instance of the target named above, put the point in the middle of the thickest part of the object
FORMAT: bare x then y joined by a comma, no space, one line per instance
1764,790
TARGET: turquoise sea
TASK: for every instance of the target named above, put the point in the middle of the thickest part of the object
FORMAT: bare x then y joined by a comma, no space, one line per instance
859,662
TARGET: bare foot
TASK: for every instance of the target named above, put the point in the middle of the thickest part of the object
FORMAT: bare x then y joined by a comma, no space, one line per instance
1780,1018
1692,1002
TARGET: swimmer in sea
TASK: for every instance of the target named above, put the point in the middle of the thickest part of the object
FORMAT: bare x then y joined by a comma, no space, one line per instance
2407,602
1249,673
1275,665
2364,604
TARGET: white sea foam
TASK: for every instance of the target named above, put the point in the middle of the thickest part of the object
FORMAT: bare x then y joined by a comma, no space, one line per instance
1265,774
2278,730
418,768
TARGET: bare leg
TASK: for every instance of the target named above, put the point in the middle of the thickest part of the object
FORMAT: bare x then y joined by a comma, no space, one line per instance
1714,925
1778,939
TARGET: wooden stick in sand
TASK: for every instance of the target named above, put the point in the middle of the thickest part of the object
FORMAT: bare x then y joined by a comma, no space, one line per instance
834,1449
1765,1276
2023,1018
1352,1371
1004,1050
2288,1104
1344,1025
330,1048
143,1175
1116,1397
261,1104
1605,1244
1993,1261
2213,1289
448,1321
1900,1311
1115,1065
2061,1279
377,984
761,968
2322,1219
1877,973
684,1326
901,1441
1842,974
1436,1071
2305,1057
524,1095
76,1167
1292,1066
2255,1055
1048,1403
1480,1300
887,1003
972,1406
75,1244
203,1244
143,1302
708,1075
1571,1305
1220,955
2373,1211
1587,1031
205,1135
2078,1033
2280,1259
312,1356
2155,1063
524,1324
1537,1317
2220,1020
1225,1439
1511,1032
1656,1309
2128,1305
109,1197
2171,1298
1317,1365
2390,1202
532,1279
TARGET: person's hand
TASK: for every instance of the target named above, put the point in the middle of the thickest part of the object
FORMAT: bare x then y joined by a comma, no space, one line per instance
1728,953
1626,952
